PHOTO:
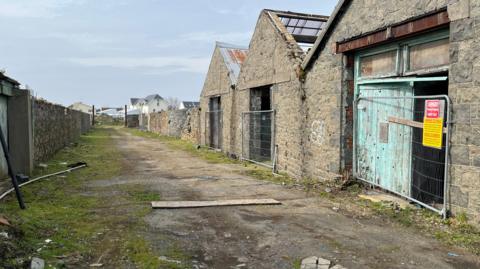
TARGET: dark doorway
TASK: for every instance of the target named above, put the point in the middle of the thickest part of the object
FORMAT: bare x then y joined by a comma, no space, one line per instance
428,164
260,142
215,122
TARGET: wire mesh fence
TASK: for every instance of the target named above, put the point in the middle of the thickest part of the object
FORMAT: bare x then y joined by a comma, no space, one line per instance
213,129
258,137
401,144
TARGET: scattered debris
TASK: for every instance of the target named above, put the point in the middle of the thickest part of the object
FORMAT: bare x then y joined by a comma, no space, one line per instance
4,235
3,195
379,197
242,259
227,235
314,262
451,254
37,263
4,221
196,204
77,164
165,259
97,264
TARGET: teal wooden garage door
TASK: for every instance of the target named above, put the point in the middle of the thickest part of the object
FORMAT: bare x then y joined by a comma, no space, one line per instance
4,124
383,149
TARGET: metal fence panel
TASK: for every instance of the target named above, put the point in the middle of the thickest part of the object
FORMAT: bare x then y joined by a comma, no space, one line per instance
214,129
383,126
258,133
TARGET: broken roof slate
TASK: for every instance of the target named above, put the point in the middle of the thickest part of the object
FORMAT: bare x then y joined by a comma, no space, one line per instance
233,56
190,104
304,28
341,5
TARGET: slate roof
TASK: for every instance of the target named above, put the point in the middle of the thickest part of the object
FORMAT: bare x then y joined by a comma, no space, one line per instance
233,56
188,104
153,97
135,101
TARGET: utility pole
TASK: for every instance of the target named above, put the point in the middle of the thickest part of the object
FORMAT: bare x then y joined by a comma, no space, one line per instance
126,123
93,115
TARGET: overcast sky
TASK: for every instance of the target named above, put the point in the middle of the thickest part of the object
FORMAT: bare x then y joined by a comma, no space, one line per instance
103,52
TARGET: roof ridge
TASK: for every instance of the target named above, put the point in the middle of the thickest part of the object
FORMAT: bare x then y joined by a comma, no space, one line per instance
230,45
293,13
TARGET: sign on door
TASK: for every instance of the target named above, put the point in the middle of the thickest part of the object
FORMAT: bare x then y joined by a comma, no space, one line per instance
433,123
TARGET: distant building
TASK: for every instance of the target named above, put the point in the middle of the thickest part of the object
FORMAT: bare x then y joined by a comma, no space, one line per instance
149,104
79,106
113,112
188,105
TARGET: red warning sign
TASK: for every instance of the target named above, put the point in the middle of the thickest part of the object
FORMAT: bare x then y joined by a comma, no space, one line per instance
434,109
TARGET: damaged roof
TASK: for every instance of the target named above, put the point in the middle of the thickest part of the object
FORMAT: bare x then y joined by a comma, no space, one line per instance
304,28
190,104
233,56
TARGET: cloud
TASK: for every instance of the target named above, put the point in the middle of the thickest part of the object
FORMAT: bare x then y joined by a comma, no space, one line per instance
153,65
33,8
80,39
240,38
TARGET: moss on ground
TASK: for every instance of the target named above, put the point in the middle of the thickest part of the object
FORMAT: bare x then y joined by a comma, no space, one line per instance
83,222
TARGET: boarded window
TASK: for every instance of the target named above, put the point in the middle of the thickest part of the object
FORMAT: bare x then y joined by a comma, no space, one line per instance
429,55
379,64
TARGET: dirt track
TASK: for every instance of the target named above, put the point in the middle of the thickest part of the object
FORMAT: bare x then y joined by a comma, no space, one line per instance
264,236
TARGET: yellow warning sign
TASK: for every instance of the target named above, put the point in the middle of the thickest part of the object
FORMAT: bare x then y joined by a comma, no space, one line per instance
433,132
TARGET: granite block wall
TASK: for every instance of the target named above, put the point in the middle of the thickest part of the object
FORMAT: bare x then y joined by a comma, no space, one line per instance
55,127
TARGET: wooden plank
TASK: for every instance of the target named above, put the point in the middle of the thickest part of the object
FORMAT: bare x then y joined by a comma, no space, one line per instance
197,204
411,123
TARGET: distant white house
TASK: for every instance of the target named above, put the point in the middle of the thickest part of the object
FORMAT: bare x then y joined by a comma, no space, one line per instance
79,106
188,104
149,104
113,112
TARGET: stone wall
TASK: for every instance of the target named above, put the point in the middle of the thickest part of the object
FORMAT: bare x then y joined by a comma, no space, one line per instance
55,127
158,122
191,128
182,123
464,90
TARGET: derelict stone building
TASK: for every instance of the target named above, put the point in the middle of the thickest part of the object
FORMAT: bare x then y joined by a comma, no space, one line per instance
378,75
217,100
270,98
388,94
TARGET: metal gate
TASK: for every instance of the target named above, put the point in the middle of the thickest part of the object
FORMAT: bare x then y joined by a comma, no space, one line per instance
213,129
258,132
390,150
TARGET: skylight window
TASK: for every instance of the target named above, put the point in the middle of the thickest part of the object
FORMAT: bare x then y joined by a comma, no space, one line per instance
303,30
